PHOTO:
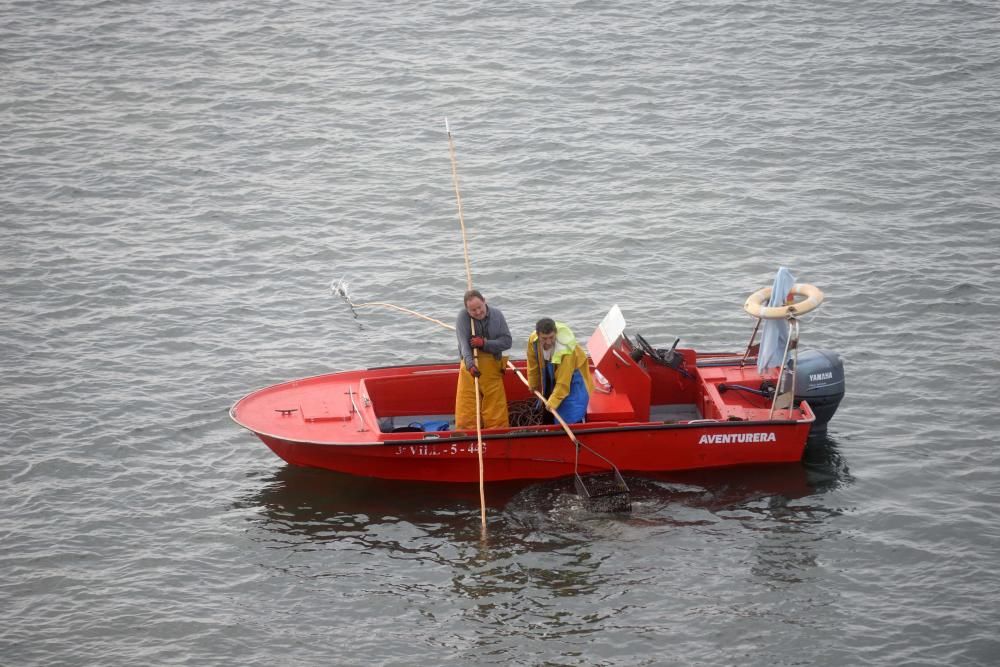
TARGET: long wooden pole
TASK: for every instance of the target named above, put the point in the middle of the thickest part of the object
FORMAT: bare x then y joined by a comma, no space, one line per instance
472,324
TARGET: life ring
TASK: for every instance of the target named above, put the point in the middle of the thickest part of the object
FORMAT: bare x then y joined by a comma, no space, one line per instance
757,306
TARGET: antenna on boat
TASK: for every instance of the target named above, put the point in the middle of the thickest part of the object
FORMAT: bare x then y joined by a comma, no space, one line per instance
472,323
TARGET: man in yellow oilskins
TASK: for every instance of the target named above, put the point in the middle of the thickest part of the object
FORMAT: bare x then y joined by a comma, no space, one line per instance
491,338
558,369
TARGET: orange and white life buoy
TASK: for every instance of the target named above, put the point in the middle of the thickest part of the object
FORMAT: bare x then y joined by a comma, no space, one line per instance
757,306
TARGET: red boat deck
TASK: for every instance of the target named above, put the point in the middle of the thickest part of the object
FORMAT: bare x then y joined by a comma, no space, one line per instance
353,408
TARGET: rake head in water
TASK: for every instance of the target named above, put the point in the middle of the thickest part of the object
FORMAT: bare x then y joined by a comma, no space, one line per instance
604,492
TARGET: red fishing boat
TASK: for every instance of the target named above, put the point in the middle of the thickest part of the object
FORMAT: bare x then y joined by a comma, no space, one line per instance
652,410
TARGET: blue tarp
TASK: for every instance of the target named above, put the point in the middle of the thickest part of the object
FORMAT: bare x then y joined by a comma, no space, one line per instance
774,333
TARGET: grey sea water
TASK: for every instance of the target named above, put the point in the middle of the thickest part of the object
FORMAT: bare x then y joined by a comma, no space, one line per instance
181,182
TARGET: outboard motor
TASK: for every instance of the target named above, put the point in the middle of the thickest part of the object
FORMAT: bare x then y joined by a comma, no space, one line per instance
819,379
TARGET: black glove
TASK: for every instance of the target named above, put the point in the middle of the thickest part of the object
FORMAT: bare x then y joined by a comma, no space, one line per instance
474,371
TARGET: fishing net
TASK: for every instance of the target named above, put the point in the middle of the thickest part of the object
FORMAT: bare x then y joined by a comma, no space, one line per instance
603,492
527,412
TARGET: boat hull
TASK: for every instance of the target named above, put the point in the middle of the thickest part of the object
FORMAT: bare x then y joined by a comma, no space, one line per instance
648,419
551,454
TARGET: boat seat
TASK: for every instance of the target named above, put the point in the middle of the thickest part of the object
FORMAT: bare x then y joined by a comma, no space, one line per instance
610,407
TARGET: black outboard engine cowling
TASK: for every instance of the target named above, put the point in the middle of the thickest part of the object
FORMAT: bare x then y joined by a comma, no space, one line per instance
819,379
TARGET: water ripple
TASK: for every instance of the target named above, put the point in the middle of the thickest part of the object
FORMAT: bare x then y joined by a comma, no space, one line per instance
183,181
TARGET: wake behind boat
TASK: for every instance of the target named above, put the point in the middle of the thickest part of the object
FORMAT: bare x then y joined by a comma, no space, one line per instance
653,410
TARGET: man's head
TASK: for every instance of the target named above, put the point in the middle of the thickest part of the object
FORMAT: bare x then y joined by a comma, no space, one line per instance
546,330
475,304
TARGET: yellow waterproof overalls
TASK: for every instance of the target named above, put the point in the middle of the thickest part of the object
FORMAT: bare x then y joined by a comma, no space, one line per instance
493,398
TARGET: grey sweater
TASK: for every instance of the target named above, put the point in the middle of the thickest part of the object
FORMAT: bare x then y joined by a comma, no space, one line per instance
493,328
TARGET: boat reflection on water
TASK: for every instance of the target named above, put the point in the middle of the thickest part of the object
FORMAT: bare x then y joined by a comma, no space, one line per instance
751,528
789,531
316,503
320,503
824,464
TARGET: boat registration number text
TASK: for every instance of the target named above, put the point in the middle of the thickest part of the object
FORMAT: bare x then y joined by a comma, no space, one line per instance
453,449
